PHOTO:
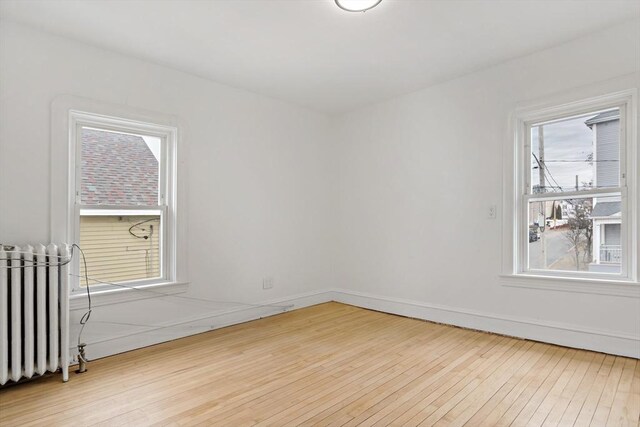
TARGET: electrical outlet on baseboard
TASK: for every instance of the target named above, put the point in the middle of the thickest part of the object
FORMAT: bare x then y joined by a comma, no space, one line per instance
267,282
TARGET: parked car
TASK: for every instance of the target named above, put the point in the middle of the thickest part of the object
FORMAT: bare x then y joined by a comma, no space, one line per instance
533,236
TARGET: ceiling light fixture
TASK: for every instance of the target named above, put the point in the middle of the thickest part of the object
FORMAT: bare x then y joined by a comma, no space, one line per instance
357,5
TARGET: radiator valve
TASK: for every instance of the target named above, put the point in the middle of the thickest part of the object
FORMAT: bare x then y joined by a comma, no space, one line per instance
82,360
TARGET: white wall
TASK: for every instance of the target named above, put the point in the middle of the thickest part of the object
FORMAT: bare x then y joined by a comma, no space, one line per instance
383,207
255,169
417,176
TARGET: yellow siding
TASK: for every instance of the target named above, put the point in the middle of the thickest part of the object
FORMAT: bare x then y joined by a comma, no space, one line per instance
113,254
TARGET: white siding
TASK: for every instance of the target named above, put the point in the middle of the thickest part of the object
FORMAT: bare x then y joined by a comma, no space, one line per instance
608,154
115,255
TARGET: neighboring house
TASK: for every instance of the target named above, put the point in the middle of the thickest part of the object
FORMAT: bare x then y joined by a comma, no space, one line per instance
607,249
555,212
118,169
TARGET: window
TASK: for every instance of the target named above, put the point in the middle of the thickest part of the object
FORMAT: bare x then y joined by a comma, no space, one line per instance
575,213
123,200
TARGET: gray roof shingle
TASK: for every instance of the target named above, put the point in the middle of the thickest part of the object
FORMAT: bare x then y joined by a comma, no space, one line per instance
117,169
606,209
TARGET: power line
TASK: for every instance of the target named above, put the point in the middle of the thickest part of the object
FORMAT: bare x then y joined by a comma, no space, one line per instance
578,161
541,165
550,174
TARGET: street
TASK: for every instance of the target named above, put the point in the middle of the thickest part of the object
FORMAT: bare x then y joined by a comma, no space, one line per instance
560,254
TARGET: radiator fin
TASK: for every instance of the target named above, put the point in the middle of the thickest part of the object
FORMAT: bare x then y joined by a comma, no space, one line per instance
34,311
4,317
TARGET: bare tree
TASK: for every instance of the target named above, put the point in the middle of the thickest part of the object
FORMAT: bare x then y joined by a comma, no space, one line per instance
580,230
574,236
585,221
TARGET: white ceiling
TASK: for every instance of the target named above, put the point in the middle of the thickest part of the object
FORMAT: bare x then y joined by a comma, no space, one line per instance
310,52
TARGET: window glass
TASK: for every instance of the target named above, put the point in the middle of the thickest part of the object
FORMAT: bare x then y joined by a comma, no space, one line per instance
119,168
120,216
120,248
567,231
576,234
576,153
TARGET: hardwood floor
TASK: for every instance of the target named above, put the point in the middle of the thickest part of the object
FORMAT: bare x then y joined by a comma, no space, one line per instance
337,365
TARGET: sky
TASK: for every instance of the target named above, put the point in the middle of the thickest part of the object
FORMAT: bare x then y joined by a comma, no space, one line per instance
564,140
154,145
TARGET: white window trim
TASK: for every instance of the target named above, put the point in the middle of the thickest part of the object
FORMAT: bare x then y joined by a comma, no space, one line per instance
513,203
66,113
167,167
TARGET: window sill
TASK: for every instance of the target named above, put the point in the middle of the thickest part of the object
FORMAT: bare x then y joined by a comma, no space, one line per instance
625,288
78,299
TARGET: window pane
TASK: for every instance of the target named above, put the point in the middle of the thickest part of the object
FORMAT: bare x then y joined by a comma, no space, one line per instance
576,235
120,248
119,168
576,153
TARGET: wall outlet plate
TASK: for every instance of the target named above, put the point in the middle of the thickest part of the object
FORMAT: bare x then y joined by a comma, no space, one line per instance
492,213
267,282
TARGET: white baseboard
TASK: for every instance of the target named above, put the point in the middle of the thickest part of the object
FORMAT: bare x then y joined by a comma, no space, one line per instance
551,332
194,325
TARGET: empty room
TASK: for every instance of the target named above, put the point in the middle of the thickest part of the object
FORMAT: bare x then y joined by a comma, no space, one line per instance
319,213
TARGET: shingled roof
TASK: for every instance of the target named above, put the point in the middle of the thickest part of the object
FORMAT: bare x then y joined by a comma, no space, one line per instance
606,209
117,169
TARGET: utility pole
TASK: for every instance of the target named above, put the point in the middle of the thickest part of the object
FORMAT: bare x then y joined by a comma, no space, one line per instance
577,186
542,204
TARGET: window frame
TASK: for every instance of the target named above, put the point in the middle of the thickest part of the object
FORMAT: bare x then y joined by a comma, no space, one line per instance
167,199
516,263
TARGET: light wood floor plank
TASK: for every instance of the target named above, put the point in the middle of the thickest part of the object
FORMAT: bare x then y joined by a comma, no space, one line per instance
327,371
245,370
515,402
554,380
360,402
619,408
577,401
306,392
337,365
551,410
397,403
140,364
632,408
501,401
437,410
591,403
410,408
471,404
608,394
329,397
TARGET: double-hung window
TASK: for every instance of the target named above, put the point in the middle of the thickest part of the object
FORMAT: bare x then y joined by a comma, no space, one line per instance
575,213
123,201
